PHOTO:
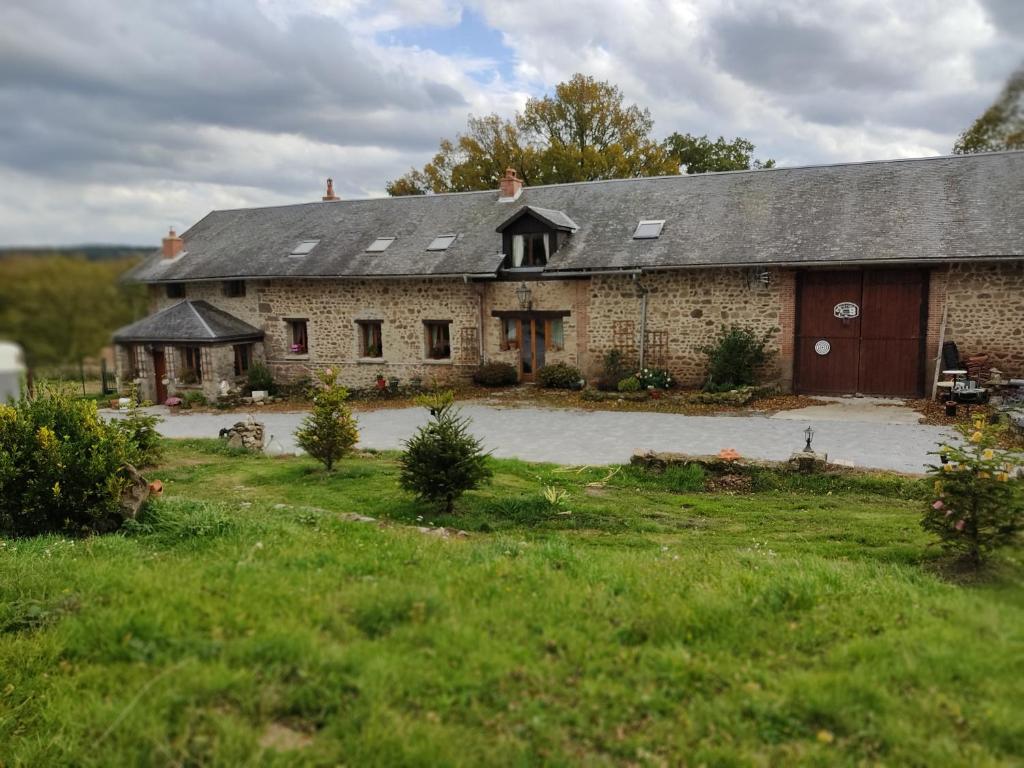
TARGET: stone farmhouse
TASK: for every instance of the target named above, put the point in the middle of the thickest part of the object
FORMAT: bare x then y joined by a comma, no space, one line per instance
862,268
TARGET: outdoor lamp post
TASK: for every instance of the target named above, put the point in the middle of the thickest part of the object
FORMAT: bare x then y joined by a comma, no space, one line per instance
525,296
808,433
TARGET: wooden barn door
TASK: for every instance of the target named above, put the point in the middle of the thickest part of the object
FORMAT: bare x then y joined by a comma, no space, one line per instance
833,371
892,332
877,352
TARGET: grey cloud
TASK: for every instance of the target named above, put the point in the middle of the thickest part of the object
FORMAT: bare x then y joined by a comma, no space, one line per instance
189,65
777,50
1006,15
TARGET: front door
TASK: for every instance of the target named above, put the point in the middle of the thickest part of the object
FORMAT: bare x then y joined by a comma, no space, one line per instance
159,374
861,331
532,346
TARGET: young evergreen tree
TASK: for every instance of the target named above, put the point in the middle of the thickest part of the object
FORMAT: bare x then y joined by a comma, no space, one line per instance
329,432
442,460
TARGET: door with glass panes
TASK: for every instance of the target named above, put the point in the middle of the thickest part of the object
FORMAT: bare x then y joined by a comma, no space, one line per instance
534,335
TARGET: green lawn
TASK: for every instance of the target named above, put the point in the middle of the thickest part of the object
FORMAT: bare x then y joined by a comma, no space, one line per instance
244,621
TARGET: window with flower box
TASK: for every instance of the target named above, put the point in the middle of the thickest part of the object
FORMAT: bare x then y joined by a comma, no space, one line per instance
438,339
371,340
298,335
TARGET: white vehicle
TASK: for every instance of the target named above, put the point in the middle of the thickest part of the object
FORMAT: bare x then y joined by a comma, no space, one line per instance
12,371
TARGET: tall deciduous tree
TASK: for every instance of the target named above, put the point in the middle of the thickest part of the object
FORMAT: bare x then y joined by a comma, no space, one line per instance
584,132
62,308
1001,126
699,154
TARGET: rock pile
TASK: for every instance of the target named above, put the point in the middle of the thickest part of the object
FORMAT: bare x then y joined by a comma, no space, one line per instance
248,434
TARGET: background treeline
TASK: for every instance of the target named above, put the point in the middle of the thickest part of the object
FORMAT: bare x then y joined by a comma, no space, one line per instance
62,305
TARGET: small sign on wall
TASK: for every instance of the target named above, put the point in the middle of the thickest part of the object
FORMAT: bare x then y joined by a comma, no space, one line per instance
822,347
846,310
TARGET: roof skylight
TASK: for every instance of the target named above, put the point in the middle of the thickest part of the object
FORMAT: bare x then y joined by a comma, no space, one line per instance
441,243
304,247
380,244
648,229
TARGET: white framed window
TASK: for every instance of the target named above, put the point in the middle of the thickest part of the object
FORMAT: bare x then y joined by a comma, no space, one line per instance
649,229
304,247
379,245
441,242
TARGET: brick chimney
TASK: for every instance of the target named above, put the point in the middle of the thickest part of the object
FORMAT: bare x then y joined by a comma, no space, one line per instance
510,187
172,244
330,196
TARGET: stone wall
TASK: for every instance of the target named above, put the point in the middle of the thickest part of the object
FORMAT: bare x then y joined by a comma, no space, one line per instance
331,309
985,313
561,295
690,307
685,308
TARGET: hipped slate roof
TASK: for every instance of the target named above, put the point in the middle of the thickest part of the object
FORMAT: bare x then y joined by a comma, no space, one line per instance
191,322
924,210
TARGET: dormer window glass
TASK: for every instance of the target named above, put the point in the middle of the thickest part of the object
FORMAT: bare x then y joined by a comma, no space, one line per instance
441,243
304,247
649,229
380,244
530,250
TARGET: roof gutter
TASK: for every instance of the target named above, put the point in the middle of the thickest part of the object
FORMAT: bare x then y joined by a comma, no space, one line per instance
446,276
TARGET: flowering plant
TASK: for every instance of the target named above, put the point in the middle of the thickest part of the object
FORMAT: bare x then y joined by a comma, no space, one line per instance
654,378
977,504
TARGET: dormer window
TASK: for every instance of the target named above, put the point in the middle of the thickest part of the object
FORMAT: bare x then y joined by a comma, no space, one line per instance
380,245
530,249
649,229
531,235
304,247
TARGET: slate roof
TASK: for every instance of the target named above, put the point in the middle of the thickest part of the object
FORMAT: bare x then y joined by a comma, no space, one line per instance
192,322
923,210
554,219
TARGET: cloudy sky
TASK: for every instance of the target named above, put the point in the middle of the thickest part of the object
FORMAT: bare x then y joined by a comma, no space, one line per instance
120,117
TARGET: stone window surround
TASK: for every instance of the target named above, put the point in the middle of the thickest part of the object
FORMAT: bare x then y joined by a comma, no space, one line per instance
362,324
289,323
426,342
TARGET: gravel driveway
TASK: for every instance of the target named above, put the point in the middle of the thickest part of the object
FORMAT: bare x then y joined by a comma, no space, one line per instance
604,437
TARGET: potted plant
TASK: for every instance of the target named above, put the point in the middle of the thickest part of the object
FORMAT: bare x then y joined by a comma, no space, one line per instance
297,349
381,383
393,382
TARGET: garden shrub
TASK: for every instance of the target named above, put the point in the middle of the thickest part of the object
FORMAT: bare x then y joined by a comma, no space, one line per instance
977,506
329,432
629,384
259,378
442,460
140,431
495,374
658,378
193,398
62,468
559,376
734,358
614,369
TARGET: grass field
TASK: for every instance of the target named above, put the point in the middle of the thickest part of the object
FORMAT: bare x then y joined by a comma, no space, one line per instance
245,621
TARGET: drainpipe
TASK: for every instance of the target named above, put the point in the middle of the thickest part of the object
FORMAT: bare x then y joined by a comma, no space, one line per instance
643,318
